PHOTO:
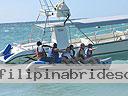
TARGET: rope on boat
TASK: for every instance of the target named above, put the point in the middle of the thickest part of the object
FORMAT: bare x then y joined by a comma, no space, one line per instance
81,31
77,28
38,17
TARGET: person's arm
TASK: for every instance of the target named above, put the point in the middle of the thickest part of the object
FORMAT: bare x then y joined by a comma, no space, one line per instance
74,53
56,49
92,49
61,51
47,46
36,52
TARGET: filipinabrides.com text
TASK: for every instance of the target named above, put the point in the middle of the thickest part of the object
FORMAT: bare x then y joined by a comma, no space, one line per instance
68,74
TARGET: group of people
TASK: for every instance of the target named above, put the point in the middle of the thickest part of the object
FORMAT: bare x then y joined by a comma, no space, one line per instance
84,55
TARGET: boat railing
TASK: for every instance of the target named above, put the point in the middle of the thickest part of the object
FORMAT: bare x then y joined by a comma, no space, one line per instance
114,33
98,36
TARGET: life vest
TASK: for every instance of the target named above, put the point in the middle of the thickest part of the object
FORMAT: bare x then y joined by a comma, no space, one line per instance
55,54
88,53
72,53
40,52
81,55
67,55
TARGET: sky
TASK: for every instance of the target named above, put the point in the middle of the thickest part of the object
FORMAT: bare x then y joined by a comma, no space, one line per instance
28,10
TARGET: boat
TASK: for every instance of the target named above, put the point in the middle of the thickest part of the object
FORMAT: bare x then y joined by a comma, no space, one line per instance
104,43
39,66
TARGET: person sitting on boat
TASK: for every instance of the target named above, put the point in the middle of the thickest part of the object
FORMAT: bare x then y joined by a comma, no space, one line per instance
41,54
54,53
85,56
67,58
72,51
88,53
81,53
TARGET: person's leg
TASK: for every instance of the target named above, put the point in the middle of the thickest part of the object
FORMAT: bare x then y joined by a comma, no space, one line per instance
81,60
65,60
97,60
59,60
94,60
91,60
48,59
74,61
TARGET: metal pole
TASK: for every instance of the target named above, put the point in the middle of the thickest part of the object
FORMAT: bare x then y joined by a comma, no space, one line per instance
51,4
41,4
46,3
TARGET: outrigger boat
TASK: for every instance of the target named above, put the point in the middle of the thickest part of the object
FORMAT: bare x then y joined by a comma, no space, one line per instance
114,42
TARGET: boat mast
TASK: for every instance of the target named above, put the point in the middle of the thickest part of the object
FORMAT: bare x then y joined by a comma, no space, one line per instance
65,12
60,10
46,11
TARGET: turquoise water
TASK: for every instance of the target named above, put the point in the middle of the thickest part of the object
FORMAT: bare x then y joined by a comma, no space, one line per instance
20,32
63,90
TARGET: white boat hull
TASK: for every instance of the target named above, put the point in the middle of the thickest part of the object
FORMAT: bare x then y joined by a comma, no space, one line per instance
111,47
101,49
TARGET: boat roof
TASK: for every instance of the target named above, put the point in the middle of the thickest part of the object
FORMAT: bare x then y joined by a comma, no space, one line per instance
91,22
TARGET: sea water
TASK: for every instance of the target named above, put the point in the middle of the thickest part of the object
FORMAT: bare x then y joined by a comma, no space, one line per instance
63,90
26,32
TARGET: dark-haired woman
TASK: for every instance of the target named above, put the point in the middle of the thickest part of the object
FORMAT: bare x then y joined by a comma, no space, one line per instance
41,54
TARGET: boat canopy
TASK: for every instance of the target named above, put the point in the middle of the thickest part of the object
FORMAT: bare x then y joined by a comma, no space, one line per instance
93,22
